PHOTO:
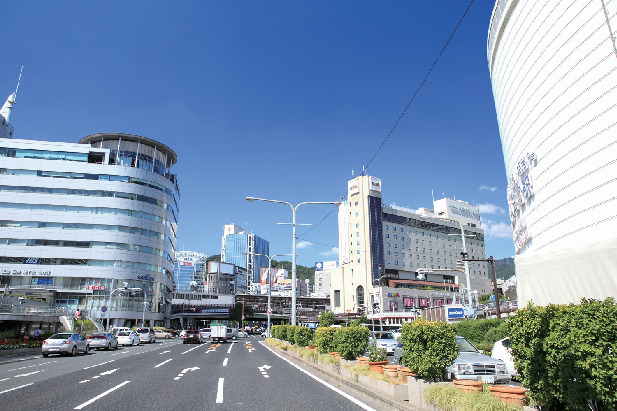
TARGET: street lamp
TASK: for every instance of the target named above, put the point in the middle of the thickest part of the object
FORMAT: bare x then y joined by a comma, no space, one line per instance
293,248
269,308
465,254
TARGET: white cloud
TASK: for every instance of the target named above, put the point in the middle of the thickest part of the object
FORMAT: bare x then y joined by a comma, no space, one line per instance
332,251
488,188
494,229
490,209
303,244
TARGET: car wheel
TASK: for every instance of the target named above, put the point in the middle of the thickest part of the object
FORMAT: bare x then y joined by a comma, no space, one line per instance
45,355
108,347
87,350
116,347
74,351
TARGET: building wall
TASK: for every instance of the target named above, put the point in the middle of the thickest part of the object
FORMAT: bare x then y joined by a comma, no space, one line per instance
236,242
69,225
553,68
188,266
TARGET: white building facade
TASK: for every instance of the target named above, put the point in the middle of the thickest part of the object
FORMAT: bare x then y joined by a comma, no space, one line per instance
80,222
553,68
395,260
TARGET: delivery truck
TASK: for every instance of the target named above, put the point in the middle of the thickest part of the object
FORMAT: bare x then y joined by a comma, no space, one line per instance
218,332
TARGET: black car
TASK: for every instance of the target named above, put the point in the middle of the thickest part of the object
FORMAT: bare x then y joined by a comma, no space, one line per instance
191,336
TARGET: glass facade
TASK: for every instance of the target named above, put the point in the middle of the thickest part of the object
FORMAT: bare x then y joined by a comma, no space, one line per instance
237,244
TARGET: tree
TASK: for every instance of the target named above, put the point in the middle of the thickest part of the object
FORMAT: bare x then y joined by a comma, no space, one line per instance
216,258
235,314
326,319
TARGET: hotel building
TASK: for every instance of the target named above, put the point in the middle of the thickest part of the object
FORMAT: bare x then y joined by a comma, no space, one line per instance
395,260
237,246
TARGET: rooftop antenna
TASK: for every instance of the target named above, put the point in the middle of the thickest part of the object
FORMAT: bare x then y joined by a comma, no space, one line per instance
10,101
433,197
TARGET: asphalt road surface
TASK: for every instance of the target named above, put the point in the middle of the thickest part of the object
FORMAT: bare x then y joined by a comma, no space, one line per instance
170,375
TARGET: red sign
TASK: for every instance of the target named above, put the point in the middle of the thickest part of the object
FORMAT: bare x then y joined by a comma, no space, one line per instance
96,287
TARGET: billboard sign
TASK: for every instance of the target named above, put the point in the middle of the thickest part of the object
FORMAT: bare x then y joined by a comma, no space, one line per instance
375,184
455,312
354,187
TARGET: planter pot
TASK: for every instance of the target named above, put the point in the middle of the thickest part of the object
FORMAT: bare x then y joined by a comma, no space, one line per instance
390,370
468,386
312,347
506,393
362,361
377,366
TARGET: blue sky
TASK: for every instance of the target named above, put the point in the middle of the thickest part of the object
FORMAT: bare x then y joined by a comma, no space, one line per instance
272,99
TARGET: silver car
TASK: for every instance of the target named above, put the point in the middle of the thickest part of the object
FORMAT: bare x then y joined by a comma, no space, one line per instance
65,343
385,340
103,340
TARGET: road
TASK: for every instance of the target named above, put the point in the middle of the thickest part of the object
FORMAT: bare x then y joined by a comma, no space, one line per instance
170,375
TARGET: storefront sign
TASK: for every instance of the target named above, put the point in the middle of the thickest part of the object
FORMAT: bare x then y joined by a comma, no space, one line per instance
145,277
96,287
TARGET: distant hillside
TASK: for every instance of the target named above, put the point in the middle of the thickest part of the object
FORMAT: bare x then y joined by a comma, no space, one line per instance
504,268
302,272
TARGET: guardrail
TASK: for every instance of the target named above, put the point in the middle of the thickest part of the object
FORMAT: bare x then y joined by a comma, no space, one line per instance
28,310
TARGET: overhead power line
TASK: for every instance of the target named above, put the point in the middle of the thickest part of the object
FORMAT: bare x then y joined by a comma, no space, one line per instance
403,112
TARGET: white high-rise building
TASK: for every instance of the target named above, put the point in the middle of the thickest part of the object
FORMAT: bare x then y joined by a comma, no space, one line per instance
398,259
553,67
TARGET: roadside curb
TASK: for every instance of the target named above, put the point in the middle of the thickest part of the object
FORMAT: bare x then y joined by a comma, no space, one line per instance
344,380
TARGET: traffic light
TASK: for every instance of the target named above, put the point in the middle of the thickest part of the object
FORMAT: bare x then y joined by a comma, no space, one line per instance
464,255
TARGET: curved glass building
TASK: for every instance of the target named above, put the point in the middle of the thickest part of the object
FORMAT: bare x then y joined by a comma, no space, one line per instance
90,225
553,68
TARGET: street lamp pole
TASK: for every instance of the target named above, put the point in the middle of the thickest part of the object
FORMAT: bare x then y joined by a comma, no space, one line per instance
465,255
293,245
269,308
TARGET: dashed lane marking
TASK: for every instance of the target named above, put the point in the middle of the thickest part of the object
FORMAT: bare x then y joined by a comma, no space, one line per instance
190,349
96,365
164,352
30,373
219,391
30,366
16,388
225,362
157,366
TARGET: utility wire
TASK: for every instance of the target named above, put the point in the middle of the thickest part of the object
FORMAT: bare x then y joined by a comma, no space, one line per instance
403,113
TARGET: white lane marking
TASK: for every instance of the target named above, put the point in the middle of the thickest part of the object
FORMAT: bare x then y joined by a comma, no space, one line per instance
316,378
96,365
230,347
90,401
225,362
30,373
157,366
263,370
184,371
164,352
219,391
4,379
16,388
101,374
191,349
84,381
30,366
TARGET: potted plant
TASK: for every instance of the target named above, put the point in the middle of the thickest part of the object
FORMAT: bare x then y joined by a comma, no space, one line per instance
376,357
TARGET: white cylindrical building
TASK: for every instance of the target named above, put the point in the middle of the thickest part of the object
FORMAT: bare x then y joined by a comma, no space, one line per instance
80,222
553,68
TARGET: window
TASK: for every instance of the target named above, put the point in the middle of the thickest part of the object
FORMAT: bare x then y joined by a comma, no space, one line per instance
337,298
395,237
396,262
387,244
360,295
387,235
402,238
395,254
388,252
356,213
387,227
388,261
358,252
357,225
357,234
357,242
358,261
356,203
394,228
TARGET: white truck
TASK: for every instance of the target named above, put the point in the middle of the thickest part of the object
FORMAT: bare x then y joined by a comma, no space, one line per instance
218,332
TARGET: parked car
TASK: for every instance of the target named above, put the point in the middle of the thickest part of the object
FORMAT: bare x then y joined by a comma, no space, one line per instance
116,330
162,334
191,336
146,335
470,364
127,338
385,340
502,351
65,343
103,340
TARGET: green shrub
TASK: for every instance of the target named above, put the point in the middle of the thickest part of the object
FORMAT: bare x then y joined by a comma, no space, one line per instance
476,331
429,347
324,339
565,354
351,341
326,319
303,336
291,332
87,329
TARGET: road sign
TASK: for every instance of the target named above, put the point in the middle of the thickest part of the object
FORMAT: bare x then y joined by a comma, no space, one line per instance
103,315
269,310
103,308
492,297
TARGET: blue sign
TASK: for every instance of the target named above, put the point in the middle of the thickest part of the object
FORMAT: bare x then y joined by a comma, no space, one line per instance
104,308
492,297
456,312
145,277
319,266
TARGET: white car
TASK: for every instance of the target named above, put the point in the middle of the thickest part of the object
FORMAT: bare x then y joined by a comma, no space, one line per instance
127,338
503,352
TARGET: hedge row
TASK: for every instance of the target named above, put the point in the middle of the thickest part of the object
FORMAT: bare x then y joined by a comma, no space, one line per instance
293,334
566,355
350,342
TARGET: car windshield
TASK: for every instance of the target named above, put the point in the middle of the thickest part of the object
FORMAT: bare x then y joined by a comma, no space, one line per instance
143,330
60,336
464,345
384,336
